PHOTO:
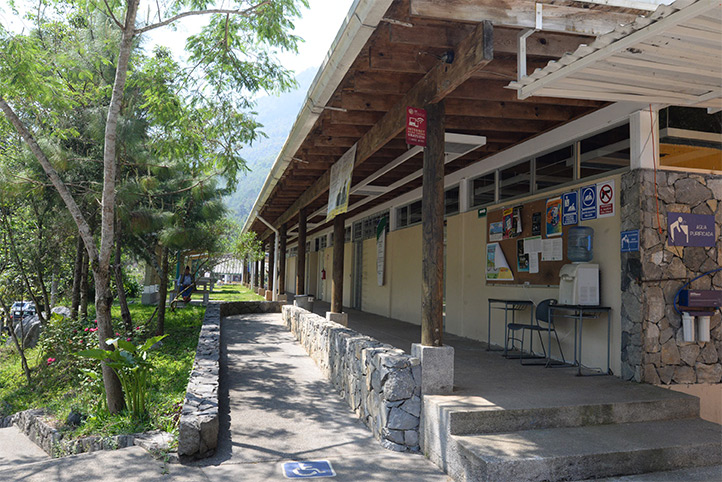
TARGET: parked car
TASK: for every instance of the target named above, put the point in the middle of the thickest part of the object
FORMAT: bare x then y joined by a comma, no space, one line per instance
21,310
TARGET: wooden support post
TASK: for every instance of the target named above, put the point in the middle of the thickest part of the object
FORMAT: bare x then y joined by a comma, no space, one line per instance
271,260
256,273
262,273
432,225
337,273
301,258
282,259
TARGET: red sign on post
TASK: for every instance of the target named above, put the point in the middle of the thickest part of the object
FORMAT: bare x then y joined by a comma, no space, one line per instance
416,127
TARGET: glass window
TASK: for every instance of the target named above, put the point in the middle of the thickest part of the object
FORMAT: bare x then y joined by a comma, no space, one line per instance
415,213
605,152
515,181
483,190
690,138
402,216
554,168
451,201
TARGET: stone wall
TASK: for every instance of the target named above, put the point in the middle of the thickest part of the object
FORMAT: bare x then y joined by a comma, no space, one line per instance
32,423
230,308
382,384
653,348
199,422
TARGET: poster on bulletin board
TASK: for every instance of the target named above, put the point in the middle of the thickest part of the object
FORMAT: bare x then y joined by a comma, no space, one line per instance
554,217
497,267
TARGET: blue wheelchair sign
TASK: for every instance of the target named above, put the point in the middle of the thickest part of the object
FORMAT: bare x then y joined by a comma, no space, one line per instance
308,470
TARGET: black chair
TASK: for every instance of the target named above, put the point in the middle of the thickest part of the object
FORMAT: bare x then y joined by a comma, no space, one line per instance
542,322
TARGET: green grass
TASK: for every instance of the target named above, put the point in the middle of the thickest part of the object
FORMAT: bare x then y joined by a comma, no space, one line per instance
61,386
234,292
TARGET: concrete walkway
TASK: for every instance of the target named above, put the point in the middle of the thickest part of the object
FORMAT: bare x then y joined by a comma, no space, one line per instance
276,407
279,408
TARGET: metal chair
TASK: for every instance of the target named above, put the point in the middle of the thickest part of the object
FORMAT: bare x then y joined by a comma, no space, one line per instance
542,322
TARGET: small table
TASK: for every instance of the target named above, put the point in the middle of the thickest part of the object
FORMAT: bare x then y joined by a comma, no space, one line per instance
579,313
508,306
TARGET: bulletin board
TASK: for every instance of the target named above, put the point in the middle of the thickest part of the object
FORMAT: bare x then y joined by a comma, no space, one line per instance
548,270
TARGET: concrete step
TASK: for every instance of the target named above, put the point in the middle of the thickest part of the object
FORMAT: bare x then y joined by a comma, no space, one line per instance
696,474
17,449
491,419
579,453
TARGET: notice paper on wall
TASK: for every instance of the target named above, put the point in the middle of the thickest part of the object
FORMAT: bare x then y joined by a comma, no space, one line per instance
533,263
497,267
533,244
552,249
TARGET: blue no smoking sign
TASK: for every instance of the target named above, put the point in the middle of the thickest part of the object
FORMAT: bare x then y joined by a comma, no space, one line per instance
308,470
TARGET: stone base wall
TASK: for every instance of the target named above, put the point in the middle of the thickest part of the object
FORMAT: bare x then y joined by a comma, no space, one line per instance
382,384
199,422
230,308
653,346
32,423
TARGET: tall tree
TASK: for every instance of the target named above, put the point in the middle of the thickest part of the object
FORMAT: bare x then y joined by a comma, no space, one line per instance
232,52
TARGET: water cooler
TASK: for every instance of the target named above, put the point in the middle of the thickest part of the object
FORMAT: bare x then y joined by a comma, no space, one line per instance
579,281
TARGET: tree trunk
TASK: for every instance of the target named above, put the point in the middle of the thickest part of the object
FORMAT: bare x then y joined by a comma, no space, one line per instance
77,275
43,289
163,292
84,288
118,271
103,296
54,288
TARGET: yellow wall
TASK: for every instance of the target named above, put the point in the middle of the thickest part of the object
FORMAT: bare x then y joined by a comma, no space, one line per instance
710,399
291,274
376,299
404,267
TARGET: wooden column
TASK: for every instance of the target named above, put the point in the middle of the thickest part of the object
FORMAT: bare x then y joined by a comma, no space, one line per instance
282,259
432,223
271,260
337,270
262,273
301,258
256,273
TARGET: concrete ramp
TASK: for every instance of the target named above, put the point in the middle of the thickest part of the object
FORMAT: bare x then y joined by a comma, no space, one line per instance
18,449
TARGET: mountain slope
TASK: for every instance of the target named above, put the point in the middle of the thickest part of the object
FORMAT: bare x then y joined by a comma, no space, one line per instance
277,114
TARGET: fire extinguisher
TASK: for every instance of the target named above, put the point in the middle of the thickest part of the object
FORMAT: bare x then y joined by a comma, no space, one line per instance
323,274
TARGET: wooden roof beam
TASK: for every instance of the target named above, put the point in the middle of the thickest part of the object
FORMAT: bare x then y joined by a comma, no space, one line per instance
521,13
472,53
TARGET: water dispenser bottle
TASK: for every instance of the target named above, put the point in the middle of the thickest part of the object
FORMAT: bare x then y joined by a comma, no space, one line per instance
579,247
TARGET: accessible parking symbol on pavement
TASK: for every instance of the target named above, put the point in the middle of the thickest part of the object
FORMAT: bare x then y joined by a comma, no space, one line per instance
308,470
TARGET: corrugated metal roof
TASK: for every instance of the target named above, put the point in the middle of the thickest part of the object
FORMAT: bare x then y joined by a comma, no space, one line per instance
673,56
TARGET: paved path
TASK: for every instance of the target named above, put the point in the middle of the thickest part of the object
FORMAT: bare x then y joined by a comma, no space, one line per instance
280,408
276,406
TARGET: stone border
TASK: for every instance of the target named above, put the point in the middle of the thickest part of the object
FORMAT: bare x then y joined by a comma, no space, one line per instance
381,383
32,423
199,422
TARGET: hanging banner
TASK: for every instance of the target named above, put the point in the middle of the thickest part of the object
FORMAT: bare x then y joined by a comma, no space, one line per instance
340,184
416,126
381,250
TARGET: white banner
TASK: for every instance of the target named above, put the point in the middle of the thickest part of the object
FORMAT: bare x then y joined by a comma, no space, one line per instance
340,184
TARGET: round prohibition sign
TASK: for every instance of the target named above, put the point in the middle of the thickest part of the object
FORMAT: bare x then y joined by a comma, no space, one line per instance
605,194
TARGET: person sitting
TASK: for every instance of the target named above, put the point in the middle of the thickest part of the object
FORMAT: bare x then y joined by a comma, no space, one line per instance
185,285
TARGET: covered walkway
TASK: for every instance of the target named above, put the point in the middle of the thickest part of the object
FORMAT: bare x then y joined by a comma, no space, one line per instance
502,382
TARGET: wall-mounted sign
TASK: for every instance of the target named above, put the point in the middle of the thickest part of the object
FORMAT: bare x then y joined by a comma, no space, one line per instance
416,126
380,251
570,208
482,212
588,200
605,201
687,229
340,184
629,241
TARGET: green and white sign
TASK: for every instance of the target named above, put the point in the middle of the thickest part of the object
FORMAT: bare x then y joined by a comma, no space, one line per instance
381,250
